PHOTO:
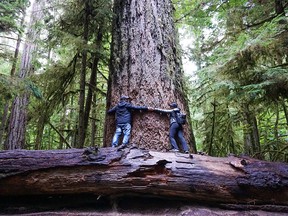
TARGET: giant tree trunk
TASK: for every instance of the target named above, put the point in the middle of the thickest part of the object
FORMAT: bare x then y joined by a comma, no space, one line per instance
146,65
109,172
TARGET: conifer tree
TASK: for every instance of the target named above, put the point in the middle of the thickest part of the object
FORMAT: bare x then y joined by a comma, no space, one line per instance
18,115
146,65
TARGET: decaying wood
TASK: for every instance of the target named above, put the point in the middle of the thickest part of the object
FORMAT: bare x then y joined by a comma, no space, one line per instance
111,171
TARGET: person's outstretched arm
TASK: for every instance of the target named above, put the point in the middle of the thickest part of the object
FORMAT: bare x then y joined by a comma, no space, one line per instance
133,107
167,111
112,110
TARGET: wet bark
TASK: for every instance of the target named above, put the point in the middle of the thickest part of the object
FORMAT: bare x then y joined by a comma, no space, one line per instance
146,65
110,172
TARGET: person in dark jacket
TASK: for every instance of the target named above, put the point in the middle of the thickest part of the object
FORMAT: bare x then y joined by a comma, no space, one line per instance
123,113
176,130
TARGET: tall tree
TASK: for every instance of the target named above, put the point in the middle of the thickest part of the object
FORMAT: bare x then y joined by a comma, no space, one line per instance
18,115
146,65
81,121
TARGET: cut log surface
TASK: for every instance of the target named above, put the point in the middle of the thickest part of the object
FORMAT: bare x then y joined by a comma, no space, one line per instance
116,172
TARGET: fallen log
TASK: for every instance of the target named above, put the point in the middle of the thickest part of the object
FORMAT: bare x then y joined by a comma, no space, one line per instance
230,181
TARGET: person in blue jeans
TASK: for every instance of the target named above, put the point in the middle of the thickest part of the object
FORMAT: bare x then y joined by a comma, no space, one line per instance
123,114
176,130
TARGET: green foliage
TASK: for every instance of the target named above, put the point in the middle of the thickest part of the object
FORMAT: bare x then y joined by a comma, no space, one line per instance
241,51
59,76
7,88
13,86
10,13
34,89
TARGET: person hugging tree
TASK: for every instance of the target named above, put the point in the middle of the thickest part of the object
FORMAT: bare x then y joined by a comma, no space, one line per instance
177,119
123,114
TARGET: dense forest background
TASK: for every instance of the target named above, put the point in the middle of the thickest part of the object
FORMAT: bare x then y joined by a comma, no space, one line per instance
54,69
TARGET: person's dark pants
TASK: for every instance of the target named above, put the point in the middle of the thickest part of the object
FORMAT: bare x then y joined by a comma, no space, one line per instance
176,130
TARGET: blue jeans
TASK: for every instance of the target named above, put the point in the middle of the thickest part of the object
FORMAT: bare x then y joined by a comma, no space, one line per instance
176,130
122,128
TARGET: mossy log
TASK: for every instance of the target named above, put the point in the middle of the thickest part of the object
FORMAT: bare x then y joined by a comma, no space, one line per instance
118,172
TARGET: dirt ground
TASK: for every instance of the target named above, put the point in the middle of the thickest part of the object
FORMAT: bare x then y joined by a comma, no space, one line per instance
128,206
184,211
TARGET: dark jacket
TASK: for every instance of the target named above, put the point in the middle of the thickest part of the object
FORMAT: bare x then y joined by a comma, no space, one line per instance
123,112
172,114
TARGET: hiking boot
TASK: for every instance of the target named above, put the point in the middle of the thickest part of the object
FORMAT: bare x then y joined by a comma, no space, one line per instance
122,146
174,150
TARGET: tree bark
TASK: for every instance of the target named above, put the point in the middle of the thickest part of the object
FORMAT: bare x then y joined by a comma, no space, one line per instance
42,120
284,110
279,8
3,123
18,43
93,76
251,133
212,127
146,65
18,116
81,119
230,181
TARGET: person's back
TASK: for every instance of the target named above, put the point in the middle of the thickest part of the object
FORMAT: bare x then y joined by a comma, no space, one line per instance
123,113
123,117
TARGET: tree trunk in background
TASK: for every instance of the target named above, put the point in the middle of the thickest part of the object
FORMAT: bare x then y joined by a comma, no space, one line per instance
230,133
42,120
212,128
93,77
250,132
284,110
3,123
81,127
146,65
16,53
256,139
18,116
94,121
276,124
279,8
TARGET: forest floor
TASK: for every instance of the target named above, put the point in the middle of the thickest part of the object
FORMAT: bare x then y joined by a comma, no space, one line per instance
128,206
183,211
187,212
